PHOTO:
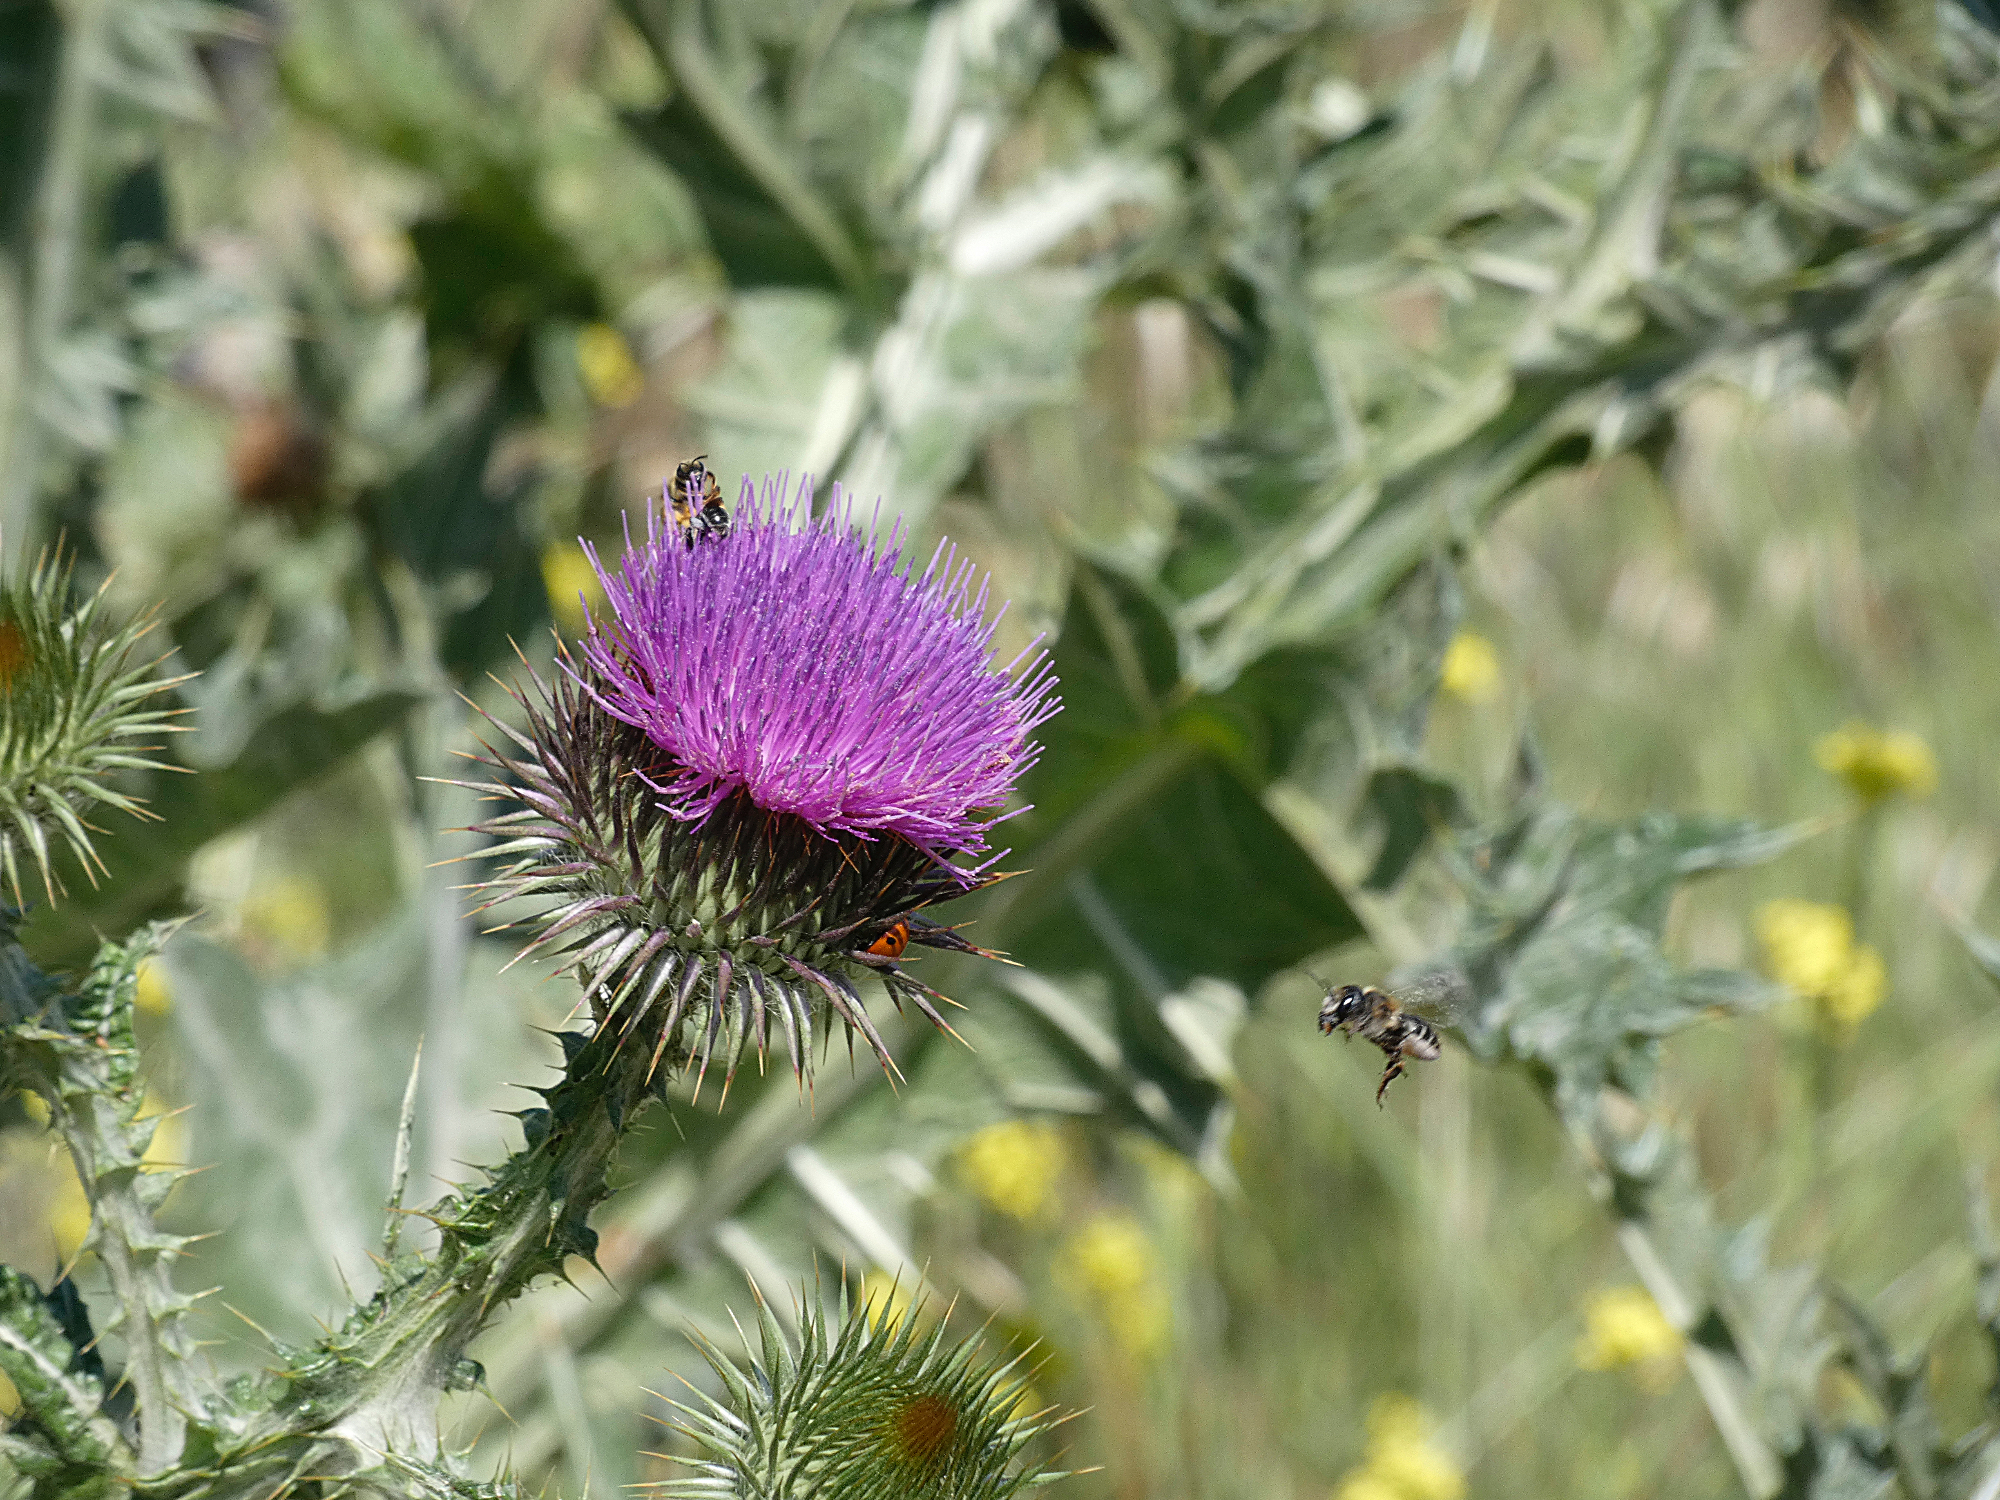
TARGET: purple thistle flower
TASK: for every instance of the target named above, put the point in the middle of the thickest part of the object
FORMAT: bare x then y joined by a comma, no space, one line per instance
765,765
798,665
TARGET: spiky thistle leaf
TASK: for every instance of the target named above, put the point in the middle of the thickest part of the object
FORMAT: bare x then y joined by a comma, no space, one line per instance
65,1440
75,1049
72,707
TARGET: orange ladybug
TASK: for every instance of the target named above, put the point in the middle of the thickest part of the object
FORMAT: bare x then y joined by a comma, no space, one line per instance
892,943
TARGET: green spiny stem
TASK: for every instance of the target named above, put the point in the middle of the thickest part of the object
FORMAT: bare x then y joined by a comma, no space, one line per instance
375,1385
1719,1385
127,1244
82,1060
667,1226
1756,1465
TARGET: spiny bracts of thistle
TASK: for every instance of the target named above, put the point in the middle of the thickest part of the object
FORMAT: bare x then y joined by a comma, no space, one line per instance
72,703
865,1406
774,753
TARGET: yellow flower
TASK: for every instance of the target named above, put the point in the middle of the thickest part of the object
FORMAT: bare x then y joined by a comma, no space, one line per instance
69,1210
1622,1327
1471,668
1396,1419
1418,1471
168,1147
1110,1265
10,1399
610,373
1401,1463
1016,1166
1112,1256
1026,1402
888,1298
1875,764
1807,946
1810,949
289,917
1853,998
152,996
572,582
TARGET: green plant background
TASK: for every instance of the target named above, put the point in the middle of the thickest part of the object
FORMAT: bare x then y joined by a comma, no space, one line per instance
1258,349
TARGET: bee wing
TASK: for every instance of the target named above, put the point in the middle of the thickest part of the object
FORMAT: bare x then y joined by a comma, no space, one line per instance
1442,994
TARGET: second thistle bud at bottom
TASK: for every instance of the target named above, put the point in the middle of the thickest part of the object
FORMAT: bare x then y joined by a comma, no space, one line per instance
708,937
864,1409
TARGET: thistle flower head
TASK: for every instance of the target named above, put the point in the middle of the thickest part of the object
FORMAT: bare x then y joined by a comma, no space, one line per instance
71,705
861,1407
773,753
813,674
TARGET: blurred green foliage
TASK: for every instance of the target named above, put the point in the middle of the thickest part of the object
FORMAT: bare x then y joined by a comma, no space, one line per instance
1261,351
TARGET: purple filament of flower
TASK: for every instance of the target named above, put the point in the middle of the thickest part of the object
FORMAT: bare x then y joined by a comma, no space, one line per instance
793,660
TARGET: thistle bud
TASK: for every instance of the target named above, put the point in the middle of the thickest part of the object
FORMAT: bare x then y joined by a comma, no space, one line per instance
72,705
862,1408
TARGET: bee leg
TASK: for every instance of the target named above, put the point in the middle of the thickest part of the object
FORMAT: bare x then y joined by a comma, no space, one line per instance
1389,1075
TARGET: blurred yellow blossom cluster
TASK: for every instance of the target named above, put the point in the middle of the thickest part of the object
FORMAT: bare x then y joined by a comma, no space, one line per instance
286,921
604,360
1810,949
152,996
1016,1166
1111,1268
1876,764
572,584
68,1207
1623,1328
169,1146
69,1210
1400,1462
1471,668
888,1298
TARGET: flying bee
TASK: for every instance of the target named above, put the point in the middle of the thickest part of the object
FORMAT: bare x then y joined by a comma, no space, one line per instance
1385,1020
696,502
